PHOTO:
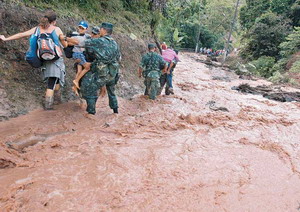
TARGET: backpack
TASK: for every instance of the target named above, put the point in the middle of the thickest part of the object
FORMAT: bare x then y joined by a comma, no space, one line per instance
69,51
47,49
31,55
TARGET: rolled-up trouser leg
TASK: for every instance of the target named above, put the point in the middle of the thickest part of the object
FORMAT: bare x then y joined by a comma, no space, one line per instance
91,104
112,98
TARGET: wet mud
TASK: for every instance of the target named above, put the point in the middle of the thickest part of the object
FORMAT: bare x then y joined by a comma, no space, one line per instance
177,153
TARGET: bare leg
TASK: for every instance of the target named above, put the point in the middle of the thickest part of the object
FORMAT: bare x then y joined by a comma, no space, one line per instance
79,70
49,99
49,93
75,89
80,74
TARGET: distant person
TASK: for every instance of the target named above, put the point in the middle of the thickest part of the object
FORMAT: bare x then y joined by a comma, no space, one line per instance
53,70
150,68
105,55
170,56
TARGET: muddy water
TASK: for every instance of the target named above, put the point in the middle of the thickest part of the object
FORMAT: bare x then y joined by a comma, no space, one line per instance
174,154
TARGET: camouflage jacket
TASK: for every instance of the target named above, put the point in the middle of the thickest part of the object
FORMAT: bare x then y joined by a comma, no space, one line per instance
102,50
152,62
105,54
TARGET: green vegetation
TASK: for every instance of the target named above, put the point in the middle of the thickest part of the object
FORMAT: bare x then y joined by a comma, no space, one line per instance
271,29
267,32
204,22
127,15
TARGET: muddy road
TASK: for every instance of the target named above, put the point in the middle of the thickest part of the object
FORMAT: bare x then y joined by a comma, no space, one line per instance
183,152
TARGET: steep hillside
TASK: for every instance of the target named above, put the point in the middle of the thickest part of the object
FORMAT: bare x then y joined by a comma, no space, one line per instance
22,88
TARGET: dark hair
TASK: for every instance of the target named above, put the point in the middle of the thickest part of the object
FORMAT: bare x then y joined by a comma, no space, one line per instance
47,20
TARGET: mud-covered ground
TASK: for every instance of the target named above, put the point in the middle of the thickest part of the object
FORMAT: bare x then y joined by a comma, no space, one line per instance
183,152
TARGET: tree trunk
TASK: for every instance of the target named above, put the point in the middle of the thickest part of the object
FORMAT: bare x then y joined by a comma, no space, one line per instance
230,32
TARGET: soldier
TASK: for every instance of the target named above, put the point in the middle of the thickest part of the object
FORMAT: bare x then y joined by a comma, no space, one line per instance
151,67
105,54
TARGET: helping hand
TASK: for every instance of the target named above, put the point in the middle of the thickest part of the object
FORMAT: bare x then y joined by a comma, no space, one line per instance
2,37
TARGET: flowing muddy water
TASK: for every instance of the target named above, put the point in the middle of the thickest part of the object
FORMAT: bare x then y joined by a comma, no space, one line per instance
178,153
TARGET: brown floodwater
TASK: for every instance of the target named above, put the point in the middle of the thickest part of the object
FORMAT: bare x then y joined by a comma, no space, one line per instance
173,154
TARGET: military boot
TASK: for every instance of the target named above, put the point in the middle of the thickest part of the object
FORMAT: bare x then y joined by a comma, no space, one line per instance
57,97
48,105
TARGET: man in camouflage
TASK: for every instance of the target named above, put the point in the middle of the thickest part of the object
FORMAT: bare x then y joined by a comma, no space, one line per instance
105,54
150,68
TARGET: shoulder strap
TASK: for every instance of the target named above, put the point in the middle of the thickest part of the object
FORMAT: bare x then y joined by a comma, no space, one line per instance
37,31
150,59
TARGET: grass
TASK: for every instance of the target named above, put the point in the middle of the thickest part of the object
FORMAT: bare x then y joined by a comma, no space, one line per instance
96,12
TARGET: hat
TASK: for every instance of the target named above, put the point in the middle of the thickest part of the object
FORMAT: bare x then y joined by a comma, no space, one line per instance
83,24
151,46
106,25
95,30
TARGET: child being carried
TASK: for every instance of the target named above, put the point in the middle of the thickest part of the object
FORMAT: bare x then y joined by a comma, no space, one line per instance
78,39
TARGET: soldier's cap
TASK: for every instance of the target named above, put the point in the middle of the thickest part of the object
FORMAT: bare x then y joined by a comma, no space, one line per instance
95,30
151,46
106,25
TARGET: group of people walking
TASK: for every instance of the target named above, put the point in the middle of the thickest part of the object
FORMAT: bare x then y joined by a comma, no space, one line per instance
97,58
158,70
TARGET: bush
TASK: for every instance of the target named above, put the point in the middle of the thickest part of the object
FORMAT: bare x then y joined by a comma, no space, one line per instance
262,66
295,67
265,36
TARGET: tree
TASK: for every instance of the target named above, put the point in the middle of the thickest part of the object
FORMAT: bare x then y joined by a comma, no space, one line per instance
265,36
252,10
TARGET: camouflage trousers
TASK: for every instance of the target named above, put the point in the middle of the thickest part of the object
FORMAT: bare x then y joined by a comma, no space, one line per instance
90,85
152,87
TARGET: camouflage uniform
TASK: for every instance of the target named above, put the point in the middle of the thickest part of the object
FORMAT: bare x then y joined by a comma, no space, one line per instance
105,53
152,63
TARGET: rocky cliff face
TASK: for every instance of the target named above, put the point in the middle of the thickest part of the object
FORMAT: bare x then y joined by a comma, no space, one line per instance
22,88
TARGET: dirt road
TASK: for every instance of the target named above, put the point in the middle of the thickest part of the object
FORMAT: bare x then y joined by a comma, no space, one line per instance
183,152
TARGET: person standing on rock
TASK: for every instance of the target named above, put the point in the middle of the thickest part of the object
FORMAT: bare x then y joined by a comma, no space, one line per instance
105,54
54,70
150,68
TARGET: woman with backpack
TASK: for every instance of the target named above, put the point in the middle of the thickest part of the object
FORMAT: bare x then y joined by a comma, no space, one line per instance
53,65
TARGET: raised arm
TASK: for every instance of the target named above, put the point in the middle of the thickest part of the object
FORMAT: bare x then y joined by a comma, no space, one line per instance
18,35
61,37
72,41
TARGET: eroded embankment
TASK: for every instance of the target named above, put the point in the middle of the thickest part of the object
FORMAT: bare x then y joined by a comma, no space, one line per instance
179,153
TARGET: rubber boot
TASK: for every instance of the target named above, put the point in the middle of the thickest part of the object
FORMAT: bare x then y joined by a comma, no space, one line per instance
115,110
57,97
48,103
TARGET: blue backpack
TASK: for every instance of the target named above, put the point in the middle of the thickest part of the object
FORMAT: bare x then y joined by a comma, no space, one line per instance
31,55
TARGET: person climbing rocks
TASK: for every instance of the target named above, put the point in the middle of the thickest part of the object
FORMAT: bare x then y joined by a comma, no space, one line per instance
53,70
